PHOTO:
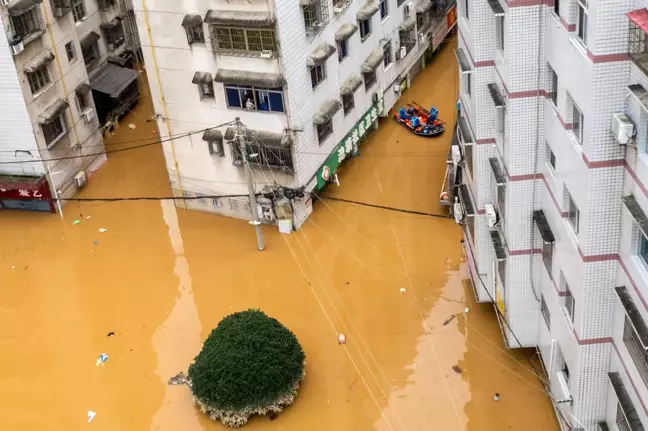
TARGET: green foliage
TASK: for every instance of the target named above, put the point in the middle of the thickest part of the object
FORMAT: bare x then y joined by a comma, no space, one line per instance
250,360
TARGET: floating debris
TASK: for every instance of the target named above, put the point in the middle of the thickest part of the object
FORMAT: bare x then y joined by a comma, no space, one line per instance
110,334
88,217
457,369
403,290
274,416
91,415
13,267
466,310
496,397
95,243
178,379
449,319
76,222
132,126
341,339
103,230
101,359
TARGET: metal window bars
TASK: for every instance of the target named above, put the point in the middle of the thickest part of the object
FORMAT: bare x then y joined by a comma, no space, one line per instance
638,47
316,16
243,42
264,156
27,23
635,349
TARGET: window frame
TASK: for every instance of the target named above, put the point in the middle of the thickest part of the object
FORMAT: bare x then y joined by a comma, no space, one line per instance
466,10
544,310
569,302
635,349
266,156
79,10
27,23
582,18
577,126
324,131
218,149
554,85
348,103
556,8
195,34
81,102
266,35
551,157
499,33
643,248
370,79
383,7
364,32
257,92
210,94
70,51
573,213
95,54
343,50
319,71
50,140
39,79
387,54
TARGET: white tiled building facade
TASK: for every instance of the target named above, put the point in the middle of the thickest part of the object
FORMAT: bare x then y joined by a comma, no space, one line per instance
567,260
301,75
48,50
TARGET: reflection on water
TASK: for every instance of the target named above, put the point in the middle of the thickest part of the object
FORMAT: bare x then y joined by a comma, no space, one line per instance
161,279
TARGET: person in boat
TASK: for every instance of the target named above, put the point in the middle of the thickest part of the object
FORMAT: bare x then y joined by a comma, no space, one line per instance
402,114
434,114
415,122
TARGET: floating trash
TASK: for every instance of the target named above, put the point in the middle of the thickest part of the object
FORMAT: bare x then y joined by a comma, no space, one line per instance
76,222
110,334
341,339
91,415
178,379
132,126
403,290
102,359
496,397
466,310
103,230
457,369
449,319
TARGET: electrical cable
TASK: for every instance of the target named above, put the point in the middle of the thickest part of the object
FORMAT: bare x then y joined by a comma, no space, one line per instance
150,198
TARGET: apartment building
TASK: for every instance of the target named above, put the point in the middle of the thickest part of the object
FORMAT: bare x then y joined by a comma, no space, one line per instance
55,56
308,80
554,110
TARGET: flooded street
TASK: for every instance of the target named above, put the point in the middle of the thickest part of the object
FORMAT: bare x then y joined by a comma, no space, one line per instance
162,278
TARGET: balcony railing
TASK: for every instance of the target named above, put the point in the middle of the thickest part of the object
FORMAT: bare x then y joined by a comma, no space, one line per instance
638,49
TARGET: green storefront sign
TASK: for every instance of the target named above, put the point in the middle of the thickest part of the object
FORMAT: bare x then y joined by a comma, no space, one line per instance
348,145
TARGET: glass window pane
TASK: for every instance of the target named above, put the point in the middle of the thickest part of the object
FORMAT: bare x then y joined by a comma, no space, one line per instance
276,102
233,99
643,249
263,104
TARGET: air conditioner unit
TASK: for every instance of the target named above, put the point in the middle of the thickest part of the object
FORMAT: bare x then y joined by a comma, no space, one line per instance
375,98
396,88
456,154
622,128
80,179
88,115
336,9
17,47
403,51
408,8
491,215
266,53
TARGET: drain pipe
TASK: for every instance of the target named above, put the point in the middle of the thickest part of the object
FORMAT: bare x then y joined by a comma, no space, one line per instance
63,84
162,100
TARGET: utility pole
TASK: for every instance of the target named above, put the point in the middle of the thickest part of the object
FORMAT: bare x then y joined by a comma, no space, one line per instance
248,173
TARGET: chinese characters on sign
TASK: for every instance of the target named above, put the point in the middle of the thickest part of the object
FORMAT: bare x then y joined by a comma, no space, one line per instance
349,145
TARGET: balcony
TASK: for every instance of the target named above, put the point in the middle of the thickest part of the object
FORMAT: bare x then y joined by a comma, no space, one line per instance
316,16
627,418
242,34
637,38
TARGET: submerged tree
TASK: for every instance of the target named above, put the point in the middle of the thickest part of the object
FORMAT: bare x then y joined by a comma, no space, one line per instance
250,364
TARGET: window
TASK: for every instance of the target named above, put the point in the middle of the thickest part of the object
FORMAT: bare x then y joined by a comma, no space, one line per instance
551,157
399,2
264,156
318,74
114,36
466,13
90,54
254,98
467,84
369,80
70,50
242,40
557,7
343,49
565,371
54,130
422,21
635,348
78,10
621,420
499,32
501,122
387,53
348,103
545,312
38,79
468,158
216,147
577,122
384,9
82,101
643,249
569,305
581,23
554,85
573,214
365,28
324,131
206,90
27,23
195,34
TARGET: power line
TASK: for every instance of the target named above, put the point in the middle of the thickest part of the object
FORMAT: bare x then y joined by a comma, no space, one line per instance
150,198
384,207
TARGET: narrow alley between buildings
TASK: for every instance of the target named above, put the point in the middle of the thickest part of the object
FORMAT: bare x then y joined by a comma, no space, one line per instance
161,278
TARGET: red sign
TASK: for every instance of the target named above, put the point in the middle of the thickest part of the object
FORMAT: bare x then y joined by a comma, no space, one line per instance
24,189
452,16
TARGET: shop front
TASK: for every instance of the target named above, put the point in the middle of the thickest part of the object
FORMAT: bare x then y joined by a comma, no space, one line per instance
349,145
25,193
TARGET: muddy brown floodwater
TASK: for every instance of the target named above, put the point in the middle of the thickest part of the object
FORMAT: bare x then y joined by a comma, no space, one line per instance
162,278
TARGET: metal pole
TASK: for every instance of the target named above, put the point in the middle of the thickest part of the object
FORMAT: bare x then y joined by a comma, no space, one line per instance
56,195
248,173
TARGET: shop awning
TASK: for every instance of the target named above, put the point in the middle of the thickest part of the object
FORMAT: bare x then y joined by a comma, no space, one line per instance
230,76
367,10
271,139
320,54
495,94
372,62
19,7
500,178
640,18
350,85
112,79
543,226
326,112
53,111
39,61
464,66
192,21
240,18
83,89
345,32
90,39
111,24
637,213
202,78
633,315
496,7
423,6
212,135
408,24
